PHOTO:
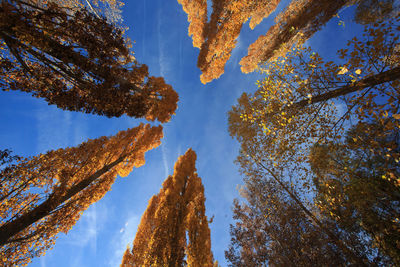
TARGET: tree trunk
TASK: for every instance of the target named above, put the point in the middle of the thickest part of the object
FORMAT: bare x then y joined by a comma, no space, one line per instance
386,76
8,230
354,258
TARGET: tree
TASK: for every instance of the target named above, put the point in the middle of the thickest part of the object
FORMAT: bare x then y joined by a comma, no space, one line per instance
77,61
175,213
294,108
197,17
223,29
296,24
46,194
295,105
352,187
271,229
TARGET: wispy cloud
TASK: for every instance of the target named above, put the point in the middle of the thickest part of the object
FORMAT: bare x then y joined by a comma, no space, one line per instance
165,159
123,239
57,128
236,52
162,59
43,262
53,127
88,228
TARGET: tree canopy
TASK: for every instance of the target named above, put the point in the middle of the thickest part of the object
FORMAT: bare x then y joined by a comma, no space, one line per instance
77,61
295,109
352,187
46,194
174,229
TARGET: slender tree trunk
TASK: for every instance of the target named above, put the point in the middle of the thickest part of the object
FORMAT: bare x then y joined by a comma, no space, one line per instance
347,251
383,77
8,230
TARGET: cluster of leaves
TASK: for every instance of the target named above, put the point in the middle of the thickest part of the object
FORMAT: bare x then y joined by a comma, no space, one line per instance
197,17
223,29
295,111
77,61
176,213
46,194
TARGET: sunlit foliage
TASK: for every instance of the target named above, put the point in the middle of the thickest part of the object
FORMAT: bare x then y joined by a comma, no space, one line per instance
176,213
294,105
297,106
46,194
296,24
79,62
197,17
223,29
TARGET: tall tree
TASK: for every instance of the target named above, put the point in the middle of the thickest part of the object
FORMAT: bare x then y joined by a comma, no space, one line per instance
271,229
294,106
352,187
46,194
296,24
293,109
77,61
175,213
197,17
223,29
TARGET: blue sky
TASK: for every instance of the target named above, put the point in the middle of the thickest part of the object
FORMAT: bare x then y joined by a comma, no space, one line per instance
30,126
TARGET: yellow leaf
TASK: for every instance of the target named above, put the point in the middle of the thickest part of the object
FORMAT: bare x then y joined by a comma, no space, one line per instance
396,116
343,70
358,71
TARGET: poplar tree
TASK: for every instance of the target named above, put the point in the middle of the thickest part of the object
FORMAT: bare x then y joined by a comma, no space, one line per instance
197,17
77,61
176,213
223,29
46,194
217,37
296,24
295,105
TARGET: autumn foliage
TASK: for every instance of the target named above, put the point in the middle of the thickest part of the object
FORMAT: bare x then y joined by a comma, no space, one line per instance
357,187
293,26
292,133
217,37
197,17
176,213
46,194
77,61
223,29
296,24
